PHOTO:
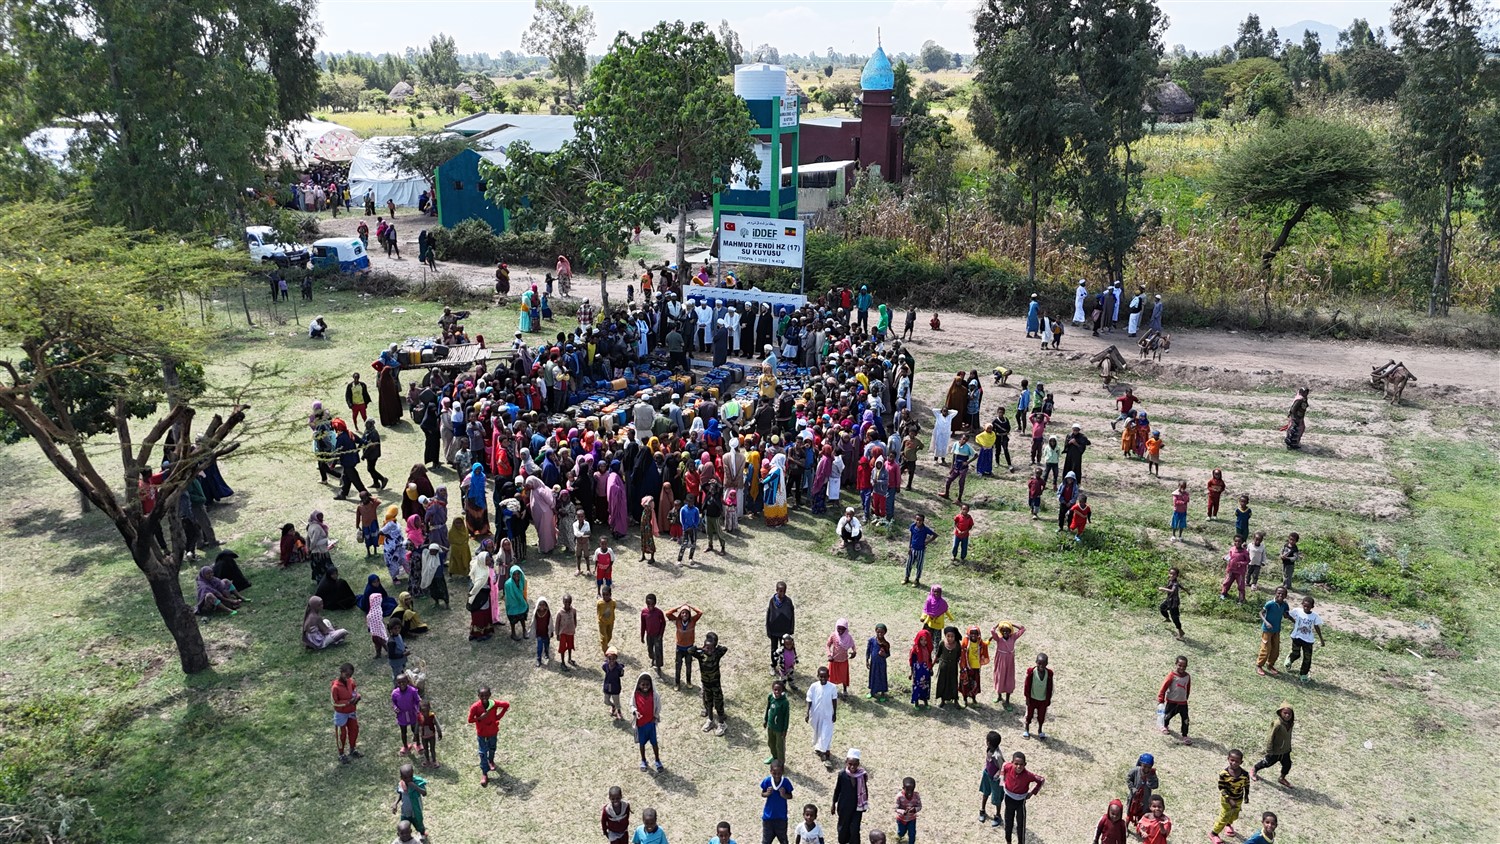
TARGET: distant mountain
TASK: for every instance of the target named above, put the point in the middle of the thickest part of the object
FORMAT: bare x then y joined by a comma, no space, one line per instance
1328,35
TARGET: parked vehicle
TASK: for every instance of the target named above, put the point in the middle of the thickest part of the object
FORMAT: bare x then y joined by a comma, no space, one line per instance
345,254
265,247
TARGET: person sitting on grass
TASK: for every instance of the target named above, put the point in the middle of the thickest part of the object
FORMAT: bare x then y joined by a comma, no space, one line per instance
318,632
219,595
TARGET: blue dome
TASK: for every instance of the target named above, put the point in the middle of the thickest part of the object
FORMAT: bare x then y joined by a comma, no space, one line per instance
878,75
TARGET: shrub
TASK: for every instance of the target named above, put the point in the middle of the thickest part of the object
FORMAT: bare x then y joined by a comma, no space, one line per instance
474,242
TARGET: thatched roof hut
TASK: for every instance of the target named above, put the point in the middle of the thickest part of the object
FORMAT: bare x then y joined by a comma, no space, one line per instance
466,90
1170,103
401,91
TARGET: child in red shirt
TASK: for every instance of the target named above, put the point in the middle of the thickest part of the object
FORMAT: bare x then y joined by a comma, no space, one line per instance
604,566
485,715
645,705
1079,515
1111,828
1020,786
962,524
345,719
1174,693
1155,826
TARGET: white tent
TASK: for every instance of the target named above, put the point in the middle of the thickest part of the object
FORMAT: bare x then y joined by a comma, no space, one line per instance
305,142
372,169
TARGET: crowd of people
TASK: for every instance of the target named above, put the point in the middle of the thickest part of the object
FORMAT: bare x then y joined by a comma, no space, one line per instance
827,408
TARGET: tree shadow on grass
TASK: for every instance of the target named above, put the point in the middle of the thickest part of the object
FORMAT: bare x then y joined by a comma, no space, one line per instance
87,531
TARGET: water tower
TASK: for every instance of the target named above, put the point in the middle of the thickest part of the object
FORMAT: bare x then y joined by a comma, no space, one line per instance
763,87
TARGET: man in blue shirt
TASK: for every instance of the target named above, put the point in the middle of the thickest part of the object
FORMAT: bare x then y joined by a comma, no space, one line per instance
921,534
862,303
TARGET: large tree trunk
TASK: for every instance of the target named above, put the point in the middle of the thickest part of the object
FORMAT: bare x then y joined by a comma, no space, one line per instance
166,590
604,291
682,267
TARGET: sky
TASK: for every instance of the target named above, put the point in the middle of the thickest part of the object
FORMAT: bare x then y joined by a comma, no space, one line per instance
800,26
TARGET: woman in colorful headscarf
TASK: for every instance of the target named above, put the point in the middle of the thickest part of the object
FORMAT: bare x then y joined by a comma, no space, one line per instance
516,604
482,584
543,513
619,516
666,504
822,481
935,613
406,613
436,518
840,651
416,533
773,490
459,555
528,299
920,660
392,547
476,503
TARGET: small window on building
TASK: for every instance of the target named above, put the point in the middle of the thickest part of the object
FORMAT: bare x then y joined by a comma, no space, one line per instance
821,159
457,185
483,186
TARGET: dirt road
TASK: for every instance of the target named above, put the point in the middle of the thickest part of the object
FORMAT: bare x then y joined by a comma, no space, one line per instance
1201,356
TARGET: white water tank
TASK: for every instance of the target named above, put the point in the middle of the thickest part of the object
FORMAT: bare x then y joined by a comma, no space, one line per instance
739,178
759,81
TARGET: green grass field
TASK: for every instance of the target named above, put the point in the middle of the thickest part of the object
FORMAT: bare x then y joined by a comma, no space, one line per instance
1397,508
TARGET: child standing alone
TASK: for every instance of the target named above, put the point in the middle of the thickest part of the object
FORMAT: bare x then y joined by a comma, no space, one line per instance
1153,454
1179,511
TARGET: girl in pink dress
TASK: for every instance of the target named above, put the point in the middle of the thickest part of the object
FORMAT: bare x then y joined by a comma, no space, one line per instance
1004,635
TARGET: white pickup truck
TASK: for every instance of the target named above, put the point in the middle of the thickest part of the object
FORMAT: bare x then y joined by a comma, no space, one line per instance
264,247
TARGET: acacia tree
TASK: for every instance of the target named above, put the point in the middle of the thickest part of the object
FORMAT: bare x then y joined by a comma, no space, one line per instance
84,305
562,34
569,191
1020,108
662,120
1286,171
175,97
1441,102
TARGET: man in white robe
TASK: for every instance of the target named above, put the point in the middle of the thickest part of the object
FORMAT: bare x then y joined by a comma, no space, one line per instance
822,708
942,432
732,322
1080,297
